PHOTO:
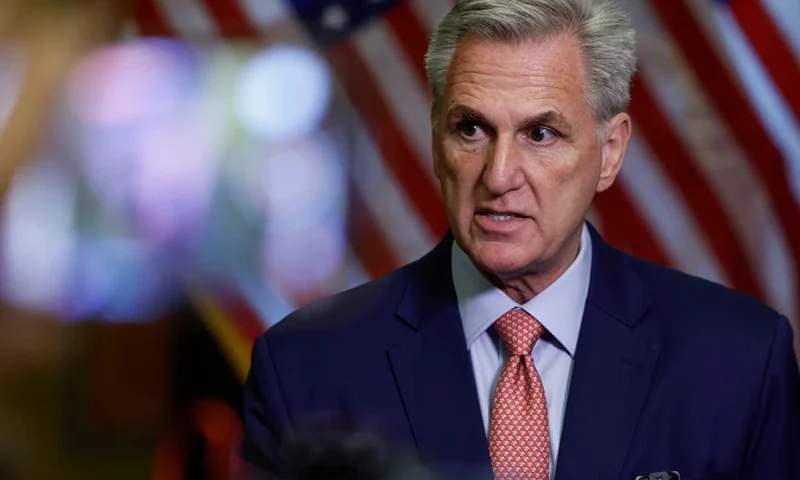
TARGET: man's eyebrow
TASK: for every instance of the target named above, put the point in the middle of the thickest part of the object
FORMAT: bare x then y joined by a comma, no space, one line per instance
465,113
550,118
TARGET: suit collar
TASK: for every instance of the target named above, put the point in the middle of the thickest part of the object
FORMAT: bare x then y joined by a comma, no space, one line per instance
615,288
559,307
430,288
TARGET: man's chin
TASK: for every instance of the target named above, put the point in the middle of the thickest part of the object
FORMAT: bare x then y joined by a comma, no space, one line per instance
501,261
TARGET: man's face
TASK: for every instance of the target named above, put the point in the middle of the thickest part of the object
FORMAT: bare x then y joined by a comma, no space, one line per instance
518,154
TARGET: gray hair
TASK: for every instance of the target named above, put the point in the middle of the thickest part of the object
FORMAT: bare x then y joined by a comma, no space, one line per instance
603,32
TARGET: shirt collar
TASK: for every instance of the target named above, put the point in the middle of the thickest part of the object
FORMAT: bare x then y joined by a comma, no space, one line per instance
559,307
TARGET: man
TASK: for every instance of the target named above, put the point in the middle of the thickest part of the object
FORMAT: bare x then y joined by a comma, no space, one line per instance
523,345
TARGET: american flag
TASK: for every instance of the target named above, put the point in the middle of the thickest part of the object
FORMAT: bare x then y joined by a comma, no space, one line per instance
711,183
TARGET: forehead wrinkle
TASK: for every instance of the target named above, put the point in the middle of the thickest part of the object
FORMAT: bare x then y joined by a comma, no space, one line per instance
518,80
529,105
532,87
529,63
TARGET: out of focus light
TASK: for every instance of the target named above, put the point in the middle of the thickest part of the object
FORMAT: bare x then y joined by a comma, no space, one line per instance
284,92
304,190
12,73
174,178
302,182
120,280
290,184
304,261
38,236
223,66
147,139
132,82
48,266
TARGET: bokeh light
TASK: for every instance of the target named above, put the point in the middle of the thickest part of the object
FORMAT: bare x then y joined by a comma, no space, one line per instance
38,236
302,182
134,82
304,261
174,182
283,93
119,279
303,192
147,132
289,183
147,139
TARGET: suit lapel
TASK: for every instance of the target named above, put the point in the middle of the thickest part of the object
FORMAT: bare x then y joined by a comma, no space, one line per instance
434,373
614,362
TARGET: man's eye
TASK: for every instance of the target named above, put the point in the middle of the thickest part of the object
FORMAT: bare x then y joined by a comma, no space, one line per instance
470,130
543,135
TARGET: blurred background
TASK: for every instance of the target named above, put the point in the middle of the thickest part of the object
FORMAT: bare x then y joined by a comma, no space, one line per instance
178,175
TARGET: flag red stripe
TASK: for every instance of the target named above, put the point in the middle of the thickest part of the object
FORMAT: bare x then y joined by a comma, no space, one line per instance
367,239
770,45
392,142
231,20
625,228
249,324
737,112
676,160
408,29
150,20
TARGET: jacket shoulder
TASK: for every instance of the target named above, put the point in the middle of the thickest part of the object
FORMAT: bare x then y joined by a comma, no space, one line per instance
354,309
698,305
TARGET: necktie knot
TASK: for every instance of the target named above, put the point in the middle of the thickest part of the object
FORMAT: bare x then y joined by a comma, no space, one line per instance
519,331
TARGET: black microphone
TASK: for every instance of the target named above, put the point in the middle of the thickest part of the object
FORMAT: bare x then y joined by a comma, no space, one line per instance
660,476
345,455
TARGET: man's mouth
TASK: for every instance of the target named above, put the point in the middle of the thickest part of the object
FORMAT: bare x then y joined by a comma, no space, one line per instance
499,216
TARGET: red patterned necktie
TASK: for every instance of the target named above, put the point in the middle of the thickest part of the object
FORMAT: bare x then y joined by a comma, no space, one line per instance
519,438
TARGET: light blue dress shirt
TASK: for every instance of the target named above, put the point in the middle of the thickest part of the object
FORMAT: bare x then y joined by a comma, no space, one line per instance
559,308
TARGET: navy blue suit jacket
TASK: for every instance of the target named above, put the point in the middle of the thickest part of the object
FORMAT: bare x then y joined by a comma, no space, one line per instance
671,372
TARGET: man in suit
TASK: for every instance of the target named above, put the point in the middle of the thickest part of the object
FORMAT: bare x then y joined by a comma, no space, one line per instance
523,345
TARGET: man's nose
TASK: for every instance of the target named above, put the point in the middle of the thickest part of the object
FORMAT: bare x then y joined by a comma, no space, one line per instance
503,170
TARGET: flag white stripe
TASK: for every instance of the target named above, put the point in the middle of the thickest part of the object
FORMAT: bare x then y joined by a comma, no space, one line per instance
777,273
263,13
189,18
703,12
396,218
404,93
432,11
786,17
667,213
718,156
355,274
264,298
780,123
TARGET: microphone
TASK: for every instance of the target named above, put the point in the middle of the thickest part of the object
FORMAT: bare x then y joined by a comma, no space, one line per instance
660,476
339,455
336,455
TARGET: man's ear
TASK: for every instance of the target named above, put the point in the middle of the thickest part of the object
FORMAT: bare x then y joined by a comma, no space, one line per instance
615,141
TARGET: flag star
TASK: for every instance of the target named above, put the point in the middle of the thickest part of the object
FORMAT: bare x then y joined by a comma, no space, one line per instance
334,17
